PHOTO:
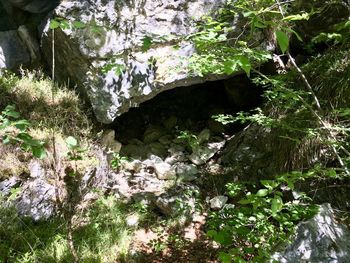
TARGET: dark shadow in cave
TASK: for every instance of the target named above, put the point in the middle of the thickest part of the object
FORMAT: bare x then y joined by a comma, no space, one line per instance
192,106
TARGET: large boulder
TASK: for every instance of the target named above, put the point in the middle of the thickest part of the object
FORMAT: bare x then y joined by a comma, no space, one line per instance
321,239
13,52
122,53
19,43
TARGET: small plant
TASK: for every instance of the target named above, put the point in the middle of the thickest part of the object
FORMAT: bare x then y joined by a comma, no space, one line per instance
189,138
75,152
14,130
117,160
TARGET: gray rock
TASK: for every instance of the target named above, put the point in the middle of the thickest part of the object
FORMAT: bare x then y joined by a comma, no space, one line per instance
13,52
36,170
36,200
202,154
218,202
158,149
176,149
132,220
257,152
203,136
8,184
134,166
178,201
186,172
320,239
165,140
165,171
152,134
120,183
107,58
109,143
135,151
176,154
155,159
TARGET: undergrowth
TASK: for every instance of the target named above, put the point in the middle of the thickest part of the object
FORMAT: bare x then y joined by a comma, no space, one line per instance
103,235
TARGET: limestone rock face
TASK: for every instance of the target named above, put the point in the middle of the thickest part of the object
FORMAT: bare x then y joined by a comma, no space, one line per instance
320,239
123,53
13,52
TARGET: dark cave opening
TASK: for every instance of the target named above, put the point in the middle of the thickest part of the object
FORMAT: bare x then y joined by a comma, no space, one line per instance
191,108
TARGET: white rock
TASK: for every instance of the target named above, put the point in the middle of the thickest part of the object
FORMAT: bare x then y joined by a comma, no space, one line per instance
135,166
165,171
320,239
132,220
218,202
202,154
109,143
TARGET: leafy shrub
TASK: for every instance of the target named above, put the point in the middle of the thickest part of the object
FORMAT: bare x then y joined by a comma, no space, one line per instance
258,219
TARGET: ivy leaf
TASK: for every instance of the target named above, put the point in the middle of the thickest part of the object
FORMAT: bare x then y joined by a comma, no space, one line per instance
54,24
276,205
282,40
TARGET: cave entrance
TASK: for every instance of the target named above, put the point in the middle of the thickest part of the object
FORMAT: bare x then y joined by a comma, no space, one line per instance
190,108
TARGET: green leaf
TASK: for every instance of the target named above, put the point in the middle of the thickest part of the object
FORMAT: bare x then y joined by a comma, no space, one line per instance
262,192
276,205
146,43
269,184
64,24
6,140
230,66
244,201
223,237
211,233
39,152
22,124
282,40
10,111
54,24
244,63
224,257
71,142
78,24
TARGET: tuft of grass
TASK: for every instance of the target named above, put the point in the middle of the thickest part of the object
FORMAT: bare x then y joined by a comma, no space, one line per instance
103,236
52,112
45,105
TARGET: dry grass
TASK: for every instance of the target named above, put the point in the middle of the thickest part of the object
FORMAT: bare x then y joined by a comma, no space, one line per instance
45,105
52,111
